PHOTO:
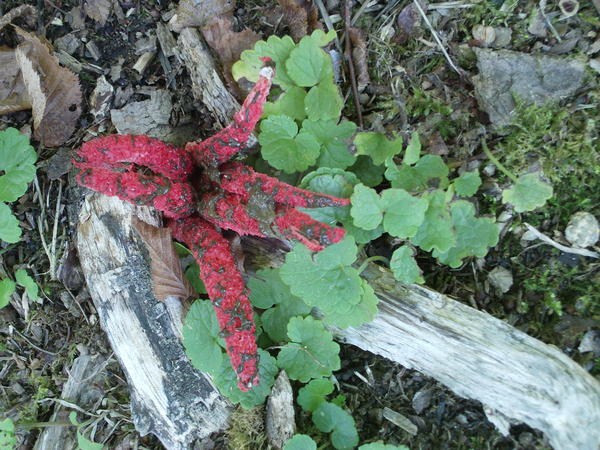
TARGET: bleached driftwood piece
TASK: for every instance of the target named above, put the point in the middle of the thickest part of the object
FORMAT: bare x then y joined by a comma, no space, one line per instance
169,398
80,389
206,83
480,357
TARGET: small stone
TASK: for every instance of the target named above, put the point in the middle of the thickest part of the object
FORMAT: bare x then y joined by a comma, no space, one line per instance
590,342
422,400
583,230
503,37
501,279
485,34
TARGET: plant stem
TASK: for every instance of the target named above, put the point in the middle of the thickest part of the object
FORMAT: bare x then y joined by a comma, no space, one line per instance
498,164
32,425
366,262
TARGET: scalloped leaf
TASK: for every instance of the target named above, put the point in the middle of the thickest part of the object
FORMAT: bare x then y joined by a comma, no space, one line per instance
311,352
528,193
286,149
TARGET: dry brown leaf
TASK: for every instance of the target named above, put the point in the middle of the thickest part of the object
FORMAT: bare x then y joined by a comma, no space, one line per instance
13,95
359,57
197,13
54,91
167,275
228,45
98,10
301,17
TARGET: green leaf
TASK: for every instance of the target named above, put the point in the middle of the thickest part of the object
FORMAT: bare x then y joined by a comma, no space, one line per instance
363,312
360,235
9,225
17,159
284,148
290,103
331,418
320,38
314,393
325,279
467,184
312,353
334,139
192,273
528,193
23,279
436,231
370,174
226,381
8,441
300,442
381,446
404,267
474,236
306,64
377,146
267,290
324,102
275,320
83,443
413,149
201,338
367,207
250,63
334,182
403,213
416,178
7,287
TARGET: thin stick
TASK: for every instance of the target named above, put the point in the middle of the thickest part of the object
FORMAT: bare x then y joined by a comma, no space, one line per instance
437,39
55,232
351,63
562,248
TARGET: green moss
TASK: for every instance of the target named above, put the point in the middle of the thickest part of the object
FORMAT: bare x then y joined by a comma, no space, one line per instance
565,142
247,429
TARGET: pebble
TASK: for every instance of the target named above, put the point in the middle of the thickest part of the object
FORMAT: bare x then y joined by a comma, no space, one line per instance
583,230
501,279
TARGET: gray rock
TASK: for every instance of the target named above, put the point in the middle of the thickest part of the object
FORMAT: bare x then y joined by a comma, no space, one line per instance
590,342
501,279
582,230
505,75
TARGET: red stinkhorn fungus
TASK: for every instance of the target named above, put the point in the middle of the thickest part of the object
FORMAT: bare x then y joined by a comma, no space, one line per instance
232,196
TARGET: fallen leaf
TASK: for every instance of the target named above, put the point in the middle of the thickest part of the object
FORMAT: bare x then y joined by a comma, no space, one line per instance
98,10
359,57
54,91
13,95
167,275
197,13
228,45
408,21
301,17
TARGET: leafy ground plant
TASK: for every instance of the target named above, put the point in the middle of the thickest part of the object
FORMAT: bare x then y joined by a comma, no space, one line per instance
17,170
420,205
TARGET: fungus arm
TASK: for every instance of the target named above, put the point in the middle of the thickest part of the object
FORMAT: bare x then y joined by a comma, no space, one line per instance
227,291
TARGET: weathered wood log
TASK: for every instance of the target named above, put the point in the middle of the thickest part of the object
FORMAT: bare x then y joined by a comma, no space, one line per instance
169,398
